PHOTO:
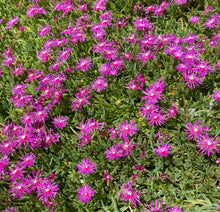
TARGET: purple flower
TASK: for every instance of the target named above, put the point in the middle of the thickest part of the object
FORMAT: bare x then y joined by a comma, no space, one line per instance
130,194
4,161
156,118
175,209
127,129
192,78
19,189
163,150
12,22
60,122
85,193
156,208
194,19
114,152
47,191
34,10
196,131
64,54
207,145
28,160
44,55
99,84
216,95
84,64
16,173
44,30
11,210
6,147
86,166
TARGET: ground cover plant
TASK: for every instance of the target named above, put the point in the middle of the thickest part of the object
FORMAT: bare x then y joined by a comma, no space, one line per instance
109,105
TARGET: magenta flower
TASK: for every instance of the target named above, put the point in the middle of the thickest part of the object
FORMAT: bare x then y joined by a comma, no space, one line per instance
85,193
147,109
194,19
196,131
47,191
86,166
192,78
207,145
210,23
64,54
145,55
127,129
130,194
216,95
163,150
6,147
34,10
44,30
99,84
19,189
11,210
79,102
4,161
156,118
152,95
44,55
175,209
172,111
27,119
18,89
84,64
9,60
11,22
28,160
107,176
126,147
16,173
60,122
114,152
156,208
142,23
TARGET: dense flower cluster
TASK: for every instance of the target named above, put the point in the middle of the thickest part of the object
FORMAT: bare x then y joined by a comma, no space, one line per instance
79,91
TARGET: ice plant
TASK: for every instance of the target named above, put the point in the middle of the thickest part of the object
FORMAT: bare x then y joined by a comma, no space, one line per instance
207,145
84,64
47,191
60,122
86,166
130,194
157,207
216,95
99,84
196,130
163,150
127,129
114,152
85,193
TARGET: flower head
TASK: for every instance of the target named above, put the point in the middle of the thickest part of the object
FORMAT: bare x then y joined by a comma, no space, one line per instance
163,150
85,193
114,152
156,208
216,95
86,166
99,84
47,191
130,194
196,130
60,122
207,145
84,64
127,129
